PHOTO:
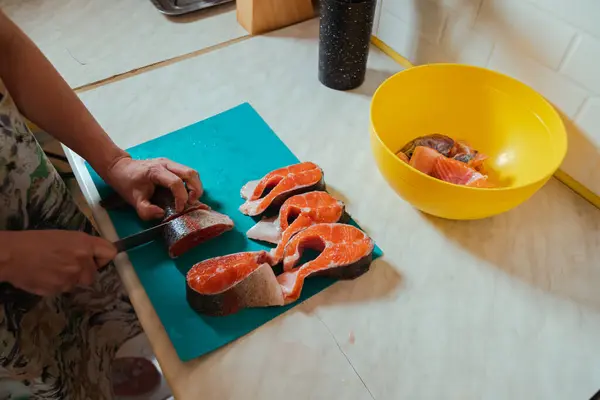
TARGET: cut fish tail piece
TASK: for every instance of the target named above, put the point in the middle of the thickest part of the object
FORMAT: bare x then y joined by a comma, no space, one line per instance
193,228
279,185
346,253
224,285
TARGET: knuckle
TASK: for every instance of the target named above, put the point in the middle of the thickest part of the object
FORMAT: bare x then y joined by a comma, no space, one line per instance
176,184
154,170
190,173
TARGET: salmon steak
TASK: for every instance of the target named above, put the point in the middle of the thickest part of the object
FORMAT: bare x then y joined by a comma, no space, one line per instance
192,228
224,285
298,212
346,252
277,186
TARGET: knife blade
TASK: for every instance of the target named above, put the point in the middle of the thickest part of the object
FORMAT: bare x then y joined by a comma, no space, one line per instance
140,238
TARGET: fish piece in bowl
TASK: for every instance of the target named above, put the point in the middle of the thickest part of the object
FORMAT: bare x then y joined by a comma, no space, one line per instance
424,158
459,173
442,143
452,161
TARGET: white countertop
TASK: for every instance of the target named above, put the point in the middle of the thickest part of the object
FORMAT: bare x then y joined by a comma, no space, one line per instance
503,308
91,40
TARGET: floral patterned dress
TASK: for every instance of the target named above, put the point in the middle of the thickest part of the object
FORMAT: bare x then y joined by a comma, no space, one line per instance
60,347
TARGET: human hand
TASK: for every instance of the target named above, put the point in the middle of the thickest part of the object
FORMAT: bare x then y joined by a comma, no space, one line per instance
48,262
136,180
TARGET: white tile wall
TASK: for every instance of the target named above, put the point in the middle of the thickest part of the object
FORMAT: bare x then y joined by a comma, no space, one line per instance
551,45
521,27
578,65
561,91
582,14
588,118
422,16
464,44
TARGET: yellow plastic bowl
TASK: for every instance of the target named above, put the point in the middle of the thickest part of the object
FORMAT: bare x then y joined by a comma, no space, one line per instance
511,123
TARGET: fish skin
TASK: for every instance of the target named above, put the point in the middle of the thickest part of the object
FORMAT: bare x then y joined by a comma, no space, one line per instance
441,143
193,228
246,281
248,189
266,230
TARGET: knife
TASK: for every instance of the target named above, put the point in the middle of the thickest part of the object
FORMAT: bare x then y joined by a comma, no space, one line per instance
140,238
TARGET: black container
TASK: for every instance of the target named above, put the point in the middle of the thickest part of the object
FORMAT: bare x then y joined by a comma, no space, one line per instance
344,38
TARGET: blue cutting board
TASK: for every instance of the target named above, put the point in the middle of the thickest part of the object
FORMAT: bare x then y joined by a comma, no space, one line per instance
227,150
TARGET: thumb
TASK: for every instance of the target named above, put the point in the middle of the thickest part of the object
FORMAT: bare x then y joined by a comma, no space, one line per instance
103,250
148,211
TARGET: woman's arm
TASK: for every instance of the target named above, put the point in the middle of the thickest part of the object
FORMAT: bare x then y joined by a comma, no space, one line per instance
44,98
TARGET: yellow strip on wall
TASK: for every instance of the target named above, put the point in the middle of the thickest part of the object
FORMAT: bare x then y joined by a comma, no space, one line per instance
561,175
391,52
577,187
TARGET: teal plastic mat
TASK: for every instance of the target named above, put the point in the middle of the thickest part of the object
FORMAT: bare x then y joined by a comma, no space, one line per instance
228,150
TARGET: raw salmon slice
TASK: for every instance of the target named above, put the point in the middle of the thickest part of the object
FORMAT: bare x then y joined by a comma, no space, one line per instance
346,253
317,206
463,152
423,159
459,173
298,212
452,171
225,285
193,228
279,185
